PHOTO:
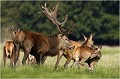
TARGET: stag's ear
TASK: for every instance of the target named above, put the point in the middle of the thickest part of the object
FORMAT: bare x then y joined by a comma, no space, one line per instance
60,36
85,38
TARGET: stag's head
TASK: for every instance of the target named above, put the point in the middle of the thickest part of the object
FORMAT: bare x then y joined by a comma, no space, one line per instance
52,15
64,42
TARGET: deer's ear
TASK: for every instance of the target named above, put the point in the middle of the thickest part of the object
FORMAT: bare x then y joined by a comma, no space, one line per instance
12,30
60,36
100,47
91,36
85,38
19,29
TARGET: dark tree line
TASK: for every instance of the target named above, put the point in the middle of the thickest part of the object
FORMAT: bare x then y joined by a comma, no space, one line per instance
98,17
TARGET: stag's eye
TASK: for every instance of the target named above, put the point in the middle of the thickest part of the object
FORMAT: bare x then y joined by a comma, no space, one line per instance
66,39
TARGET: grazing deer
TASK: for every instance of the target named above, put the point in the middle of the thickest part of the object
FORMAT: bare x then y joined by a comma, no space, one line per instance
8,52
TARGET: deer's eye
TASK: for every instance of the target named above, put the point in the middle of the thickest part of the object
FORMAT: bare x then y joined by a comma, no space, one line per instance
66,39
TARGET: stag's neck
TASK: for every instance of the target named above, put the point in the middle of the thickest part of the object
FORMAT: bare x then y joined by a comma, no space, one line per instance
53,42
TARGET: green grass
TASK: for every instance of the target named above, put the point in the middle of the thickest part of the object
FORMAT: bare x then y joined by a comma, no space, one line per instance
107,67
48,72
110,50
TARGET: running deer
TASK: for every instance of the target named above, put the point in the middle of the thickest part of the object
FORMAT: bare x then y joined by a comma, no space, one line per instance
85,53
69,53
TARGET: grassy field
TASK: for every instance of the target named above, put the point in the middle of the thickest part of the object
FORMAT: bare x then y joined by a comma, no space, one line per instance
107,67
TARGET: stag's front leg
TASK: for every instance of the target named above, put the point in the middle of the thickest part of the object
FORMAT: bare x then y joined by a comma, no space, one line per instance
25,57
58,58
69,58
27,46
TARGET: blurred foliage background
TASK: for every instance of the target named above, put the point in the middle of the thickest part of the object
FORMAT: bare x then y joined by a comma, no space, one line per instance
98,17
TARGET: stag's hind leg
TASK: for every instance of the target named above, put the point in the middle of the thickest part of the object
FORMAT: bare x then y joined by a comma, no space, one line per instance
37,57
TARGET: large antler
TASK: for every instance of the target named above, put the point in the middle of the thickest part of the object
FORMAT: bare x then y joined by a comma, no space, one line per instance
73,25
52,15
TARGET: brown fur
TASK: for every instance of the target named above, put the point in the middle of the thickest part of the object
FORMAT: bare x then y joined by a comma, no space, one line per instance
27,40
84,53
69,53
39,45
8,52
88,42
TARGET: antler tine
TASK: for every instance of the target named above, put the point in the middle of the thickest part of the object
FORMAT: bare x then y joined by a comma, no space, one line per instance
52,15
73,26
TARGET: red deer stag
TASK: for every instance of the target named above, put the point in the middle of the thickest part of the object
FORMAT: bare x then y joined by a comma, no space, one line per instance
52,15
8,52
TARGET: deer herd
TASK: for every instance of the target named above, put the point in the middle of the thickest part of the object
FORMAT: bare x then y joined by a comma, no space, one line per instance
37,46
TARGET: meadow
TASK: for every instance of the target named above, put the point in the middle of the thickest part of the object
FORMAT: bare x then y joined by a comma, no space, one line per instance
107,67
